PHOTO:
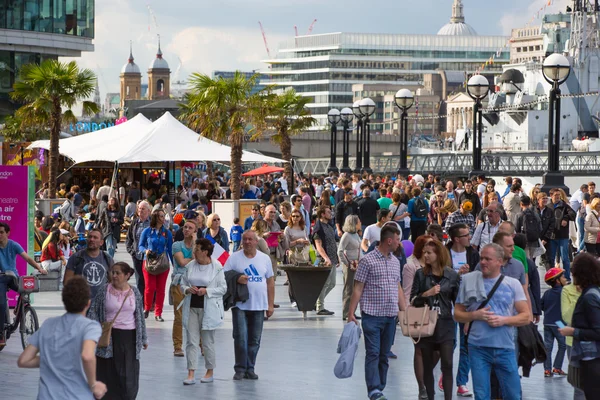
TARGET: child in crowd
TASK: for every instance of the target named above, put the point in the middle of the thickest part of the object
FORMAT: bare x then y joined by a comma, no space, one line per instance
91,222
555,278
80,223
236,234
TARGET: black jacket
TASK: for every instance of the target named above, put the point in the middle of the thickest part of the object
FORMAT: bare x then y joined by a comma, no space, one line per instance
367,211
548,222
534,287
586,317
448,291
343,209
472,256
562,212
234,292
132,241
531,348
473,198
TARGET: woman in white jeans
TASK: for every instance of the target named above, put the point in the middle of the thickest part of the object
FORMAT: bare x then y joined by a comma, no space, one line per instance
204,286
53,258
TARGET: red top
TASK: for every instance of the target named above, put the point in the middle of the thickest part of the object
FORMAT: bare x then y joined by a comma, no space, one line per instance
50,253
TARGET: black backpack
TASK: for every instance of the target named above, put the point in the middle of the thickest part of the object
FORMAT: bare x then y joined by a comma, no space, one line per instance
420,208
532,226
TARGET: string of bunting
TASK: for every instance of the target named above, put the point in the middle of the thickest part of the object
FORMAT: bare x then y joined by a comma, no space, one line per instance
541,99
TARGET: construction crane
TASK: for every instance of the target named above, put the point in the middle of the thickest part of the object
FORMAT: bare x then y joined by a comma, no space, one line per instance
310,28
262,30
152,18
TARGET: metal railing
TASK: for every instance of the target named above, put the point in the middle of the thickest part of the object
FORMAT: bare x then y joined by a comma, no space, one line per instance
524,164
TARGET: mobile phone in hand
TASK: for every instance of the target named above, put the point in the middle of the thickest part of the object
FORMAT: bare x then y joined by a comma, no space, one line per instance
560,324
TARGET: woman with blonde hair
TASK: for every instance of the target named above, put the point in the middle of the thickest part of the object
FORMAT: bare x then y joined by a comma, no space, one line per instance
592,228
448,208
260,227
349,255
216,231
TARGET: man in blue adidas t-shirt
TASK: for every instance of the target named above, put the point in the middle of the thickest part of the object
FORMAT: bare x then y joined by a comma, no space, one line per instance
491,341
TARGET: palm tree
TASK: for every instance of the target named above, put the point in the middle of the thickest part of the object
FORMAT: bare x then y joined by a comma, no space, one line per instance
225,110
49,91
288,116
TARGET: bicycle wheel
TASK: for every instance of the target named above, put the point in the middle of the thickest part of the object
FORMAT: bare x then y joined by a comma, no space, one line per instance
29,325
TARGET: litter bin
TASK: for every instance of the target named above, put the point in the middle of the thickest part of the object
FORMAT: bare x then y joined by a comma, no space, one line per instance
306,283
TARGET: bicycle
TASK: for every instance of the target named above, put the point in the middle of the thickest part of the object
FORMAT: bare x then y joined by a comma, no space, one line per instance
25,315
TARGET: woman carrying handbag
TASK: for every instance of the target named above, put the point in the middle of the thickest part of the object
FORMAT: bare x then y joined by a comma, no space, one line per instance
349,255
118,307
436,286
156,243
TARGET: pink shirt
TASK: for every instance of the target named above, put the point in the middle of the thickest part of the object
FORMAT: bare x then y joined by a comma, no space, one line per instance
114,299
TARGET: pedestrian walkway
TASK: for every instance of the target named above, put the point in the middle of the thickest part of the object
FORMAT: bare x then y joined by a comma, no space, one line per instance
295,361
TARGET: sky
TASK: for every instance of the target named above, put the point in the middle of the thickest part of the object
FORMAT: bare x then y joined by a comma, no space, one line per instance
203,36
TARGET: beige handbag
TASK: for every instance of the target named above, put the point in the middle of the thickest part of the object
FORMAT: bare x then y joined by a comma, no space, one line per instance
418,322
104,340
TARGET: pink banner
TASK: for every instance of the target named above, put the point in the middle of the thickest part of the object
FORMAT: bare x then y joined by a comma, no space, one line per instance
17,210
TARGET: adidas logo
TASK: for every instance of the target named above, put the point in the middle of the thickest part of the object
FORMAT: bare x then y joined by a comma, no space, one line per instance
253,275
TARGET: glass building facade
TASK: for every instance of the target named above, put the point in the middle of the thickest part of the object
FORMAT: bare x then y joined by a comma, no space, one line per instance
324,67
66,17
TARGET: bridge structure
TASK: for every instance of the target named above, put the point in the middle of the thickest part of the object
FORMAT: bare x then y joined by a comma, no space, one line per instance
459,164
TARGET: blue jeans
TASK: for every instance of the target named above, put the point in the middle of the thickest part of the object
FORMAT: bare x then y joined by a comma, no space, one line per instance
580,232
247,331
379,335
504,364
111,245
236,245
6,282
550,333
405,230
464,366
561,245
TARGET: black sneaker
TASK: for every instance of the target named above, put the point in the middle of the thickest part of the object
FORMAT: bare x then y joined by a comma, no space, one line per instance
238,376
325,312
250,375
146,313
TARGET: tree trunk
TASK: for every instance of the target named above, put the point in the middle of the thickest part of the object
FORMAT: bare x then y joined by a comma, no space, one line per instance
210,170
236,164
55,125
286,154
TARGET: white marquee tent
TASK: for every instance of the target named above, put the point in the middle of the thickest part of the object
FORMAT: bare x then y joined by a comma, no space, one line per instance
139,140
167,139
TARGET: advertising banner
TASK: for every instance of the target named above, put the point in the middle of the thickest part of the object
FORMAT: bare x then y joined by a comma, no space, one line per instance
17,209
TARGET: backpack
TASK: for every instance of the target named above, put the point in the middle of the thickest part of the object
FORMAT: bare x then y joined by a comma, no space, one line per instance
532,226
420,208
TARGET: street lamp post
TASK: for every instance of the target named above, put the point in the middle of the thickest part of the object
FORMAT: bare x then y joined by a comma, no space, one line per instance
367,108
359,135
334,118
477,88
404,99
347,116
556,70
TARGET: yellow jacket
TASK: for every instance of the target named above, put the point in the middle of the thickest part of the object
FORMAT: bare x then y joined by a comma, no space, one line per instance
568,299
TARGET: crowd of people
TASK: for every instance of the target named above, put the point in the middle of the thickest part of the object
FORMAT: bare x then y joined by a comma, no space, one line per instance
455,246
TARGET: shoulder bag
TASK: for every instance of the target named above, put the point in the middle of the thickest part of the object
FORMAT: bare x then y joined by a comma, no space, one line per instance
156,264
482,305
418,322
104,340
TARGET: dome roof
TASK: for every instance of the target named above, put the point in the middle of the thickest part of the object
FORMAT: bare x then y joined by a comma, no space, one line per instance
512,75
130,67
159,62
457,29
457,25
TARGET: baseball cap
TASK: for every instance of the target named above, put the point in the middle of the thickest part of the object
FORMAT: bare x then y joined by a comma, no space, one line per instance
190,214
349,191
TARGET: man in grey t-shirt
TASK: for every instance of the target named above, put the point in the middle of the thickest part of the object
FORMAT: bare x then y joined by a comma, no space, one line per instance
91,263
67,349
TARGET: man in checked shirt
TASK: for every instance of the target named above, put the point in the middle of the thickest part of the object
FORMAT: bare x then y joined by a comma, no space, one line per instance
377,285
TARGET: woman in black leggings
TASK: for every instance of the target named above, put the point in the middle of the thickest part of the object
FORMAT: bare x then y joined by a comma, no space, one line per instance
436,286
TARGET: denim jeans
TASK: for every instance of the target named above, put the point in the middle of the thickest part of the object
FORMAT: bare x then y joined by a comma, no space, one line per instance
551,333
111,245
503,362
379,335
6,282
580,232
464,366
236,245
247,330
561,245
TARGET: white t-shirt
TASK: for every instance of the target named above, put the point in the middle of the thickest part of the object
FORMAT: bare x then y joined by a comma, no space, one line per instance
458,259
258,269
481,190
373,234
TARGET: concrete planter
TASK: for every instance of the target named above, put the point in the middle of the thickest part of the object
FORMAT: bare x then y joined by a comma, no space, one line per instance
230,209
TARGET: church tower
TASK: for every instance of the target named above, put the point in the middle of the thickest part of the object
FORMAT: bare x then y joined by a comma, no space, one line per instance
458,14
131,80
159,77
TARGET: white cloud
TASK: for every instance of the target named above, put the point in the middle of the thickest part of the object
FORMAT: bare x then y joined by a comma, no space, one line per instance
518,18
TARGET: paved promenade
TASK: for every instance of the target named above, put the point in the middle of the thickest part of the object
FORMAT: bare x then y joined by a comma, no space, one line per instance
295,361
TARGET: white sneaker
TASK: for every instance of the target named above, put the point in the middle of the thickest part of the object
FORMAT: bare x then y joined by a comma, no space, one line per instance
294,304
463,391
